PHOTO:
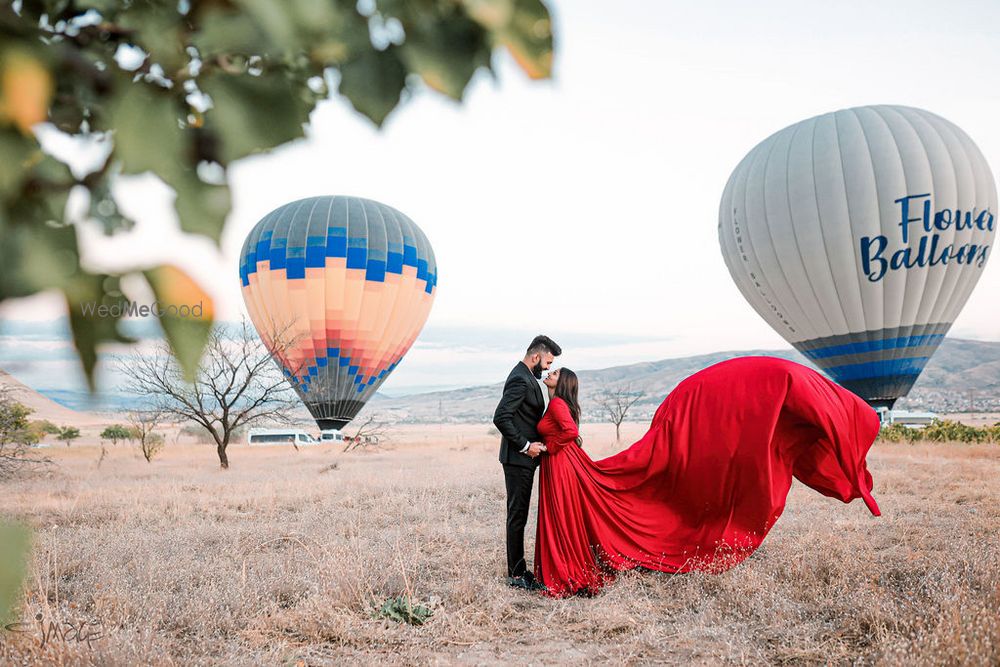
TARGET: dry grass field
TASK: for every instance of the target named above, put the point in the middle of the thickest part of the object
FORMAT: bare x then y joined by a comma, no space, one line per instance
283,559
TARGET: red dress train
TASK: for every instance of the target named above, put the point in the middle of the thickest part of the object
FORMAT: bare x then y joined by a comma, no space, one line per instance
705,484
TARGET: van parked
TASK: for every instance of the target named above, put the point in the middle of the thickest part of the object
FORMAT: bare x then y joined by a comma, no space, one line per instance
279,436
331,436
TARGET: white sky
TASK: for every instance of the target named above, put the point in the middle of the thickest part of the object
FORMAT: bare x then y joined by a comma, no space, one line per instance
590,203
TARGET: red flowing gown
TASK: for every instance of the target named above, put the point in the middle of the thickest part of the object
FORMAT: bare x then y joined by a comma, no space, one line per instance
701,489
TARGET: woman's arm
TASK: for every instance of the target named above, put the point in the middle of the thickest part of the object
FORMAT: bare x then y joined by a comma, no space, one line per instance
568,430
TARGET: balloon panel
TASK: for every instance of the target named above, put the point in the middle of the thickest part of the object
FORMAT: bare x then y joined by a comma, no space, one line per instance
858,236
338,288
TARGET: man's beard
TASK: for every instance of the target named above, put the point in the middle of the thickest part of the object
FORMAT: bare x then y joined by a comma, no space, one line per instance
536,370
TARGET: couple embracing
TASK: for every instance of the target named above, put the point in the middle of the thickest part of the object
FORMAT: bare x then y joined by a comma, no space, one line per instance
699,491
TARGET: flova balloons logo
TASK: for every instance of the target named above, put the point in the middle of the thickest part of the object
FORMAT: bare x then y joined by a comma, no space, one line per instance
929,248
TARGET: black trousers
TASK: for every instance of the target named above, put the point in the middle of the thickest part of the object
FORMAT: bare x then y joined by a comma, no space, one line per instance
519,481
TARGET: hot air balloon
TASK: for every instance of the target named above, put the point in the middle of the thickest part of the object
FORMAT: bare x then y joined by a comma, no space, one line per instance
338,289
858,236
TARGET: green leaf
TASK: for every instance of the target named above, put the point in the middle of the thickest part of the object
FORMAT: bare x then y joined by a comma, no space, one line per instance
491,14
35,256
528,37
446,52
254,113
228,32
274,20
15,544
157,27
186,315
201,207
15,151
373,83
90,327
147,134
402,610
148,138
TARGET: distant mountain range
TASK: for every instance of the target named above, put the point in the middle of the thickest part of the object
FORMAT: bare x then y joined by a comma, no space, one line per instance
963,375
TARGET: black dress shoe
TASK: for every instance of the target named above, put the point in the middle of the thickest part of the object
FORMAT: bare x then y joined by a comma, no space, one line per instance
526,581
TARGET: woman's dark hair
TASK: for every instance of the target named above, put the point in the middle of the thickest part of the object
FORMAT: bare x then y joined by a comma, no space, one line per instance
567,388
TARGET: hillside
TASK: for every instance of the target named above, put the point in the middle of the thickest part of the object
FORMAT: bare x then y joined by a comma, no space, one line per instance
962,375
44,407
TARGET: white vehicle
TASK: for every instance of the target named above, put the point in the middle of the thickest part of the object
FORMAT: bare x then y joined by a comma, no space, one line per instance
279,436
331,436
909,419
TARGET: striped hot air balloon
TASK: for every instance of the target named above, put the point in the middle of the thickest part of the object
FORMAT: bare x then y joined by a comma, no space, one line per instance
859,235
349,282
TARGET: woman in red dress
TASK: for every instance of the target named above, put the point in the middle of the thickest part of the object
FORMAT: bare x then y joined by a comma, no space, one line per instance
706,483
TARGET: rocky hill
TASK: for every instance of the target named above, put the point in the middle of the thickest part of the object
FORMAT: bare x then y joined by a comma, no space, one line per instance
962,375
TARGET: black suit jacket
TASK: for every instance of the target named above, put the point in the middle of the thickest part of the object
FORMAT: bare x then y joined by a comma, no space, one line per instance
517,415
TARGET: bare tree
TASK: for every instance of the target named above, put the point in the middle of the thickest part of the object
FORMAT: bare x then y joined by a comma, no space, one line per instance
372,432
15,437
144,424
237,383
614,403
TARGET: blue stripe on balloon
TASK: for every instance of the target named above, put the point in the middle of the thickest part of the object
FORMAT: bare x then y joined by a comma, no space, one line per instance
875,345
315,257
262,250
316,252
296,268
344,361
375,271
276,254
394,262
336,242
352,370
322,362
357,258
410,255
875,369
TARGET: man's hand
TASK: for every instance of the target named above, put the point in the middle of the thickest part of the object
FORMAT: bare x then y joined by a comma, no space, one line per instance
534,449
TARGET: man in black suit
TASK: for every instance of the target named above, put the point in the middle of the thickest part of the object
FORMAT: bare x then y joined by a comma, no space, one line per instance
517,415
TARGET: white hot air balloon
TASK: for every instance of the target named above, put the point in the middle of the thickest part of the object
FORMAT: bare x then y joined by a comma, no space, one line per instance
859,235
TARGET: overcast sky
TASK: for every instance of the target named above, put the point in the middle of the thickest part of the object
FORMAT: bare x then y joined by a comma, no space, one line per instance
589,204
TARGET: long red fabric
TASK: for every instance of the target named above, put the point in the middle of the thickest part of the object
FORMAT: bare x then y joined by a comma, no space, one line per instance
703,487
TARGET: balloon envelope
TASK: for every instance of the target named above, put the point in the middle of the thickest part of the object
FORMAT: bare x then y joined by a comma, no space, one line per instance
858,235
338,289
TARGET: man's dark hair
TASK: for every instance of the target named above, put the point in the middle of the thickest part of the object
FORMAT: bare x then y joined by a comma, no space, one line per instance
543,344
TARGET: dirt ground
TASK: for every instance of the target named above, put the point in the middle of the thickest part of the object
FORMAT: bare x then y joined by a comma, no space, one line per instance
284,558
